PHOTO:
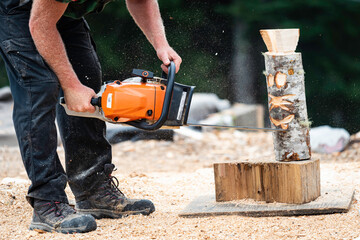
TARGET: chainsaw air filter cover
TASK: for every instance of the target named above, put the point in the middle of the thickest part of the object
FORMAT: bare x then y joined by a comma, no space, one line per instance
134,100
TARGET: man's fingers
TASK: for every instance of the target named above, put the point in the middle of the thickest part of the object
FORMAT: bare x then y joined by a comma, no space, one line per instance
176,59
91,109
79,100
166,61
177,62
164,57
164,68
177,66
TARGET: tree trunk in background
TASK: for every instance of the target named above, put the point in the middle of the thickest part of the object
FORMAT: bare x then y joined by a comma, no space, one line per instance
242,74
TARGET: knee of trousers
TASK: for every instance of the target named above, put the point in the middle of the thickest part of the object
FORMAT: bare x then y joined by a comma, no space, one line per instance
34,111
38,98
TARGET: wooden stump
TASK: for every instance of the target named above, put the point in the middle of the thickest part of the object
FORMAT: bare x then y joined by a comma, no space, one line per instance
286,94
271,181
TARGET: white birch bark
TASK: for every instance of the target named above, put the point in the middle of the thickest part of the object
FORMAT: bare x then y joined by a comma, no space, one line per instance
287,106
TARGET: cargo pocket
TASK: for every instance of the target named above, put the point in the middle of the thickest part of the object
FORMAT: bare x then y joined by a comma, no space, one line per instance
27,62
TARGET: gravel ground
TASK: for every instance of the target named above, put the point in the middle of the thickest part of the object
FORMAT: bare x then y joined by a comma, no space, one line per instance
172,174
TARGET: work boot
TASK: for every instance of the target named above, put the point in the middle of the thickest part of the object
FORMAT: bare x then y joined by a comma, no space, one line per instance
53,216
107,201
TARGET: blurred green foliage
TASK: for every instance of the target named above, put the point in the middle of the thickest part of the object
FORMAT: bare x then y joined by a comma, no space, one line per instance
199,35
329,43
201,32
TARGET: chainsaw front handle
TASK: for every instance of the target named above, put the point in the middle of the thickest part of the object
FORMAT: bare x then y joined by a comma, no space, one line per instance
142,124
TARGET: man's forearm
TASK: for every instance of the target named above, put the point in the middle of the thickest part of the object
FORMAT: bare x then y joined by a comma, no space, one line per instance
44,16
147,16
43,19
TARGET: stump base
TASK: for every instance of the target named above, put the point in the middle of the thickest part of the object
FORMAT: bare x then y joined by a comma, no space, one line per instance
333,199
270,181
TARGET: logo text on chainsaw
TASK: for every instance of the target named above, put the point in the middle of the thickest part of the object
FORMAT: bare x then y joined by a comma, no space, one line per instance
109,100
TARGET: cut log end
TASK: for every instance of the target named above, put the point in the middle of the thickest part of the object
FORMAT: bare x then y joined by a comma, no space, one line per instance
282,41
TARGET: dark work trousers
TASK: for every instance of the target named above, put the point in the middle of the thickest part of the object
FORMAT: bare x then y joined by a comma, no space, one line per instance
36,90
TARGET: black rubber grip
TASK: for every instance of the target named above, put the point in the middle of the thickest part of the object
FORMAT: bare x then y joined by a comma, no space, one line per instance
96,101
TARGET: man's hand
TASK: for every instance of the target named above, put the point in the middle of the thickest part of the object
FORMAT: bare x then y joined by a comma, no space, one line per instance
146,14
167,54
78,99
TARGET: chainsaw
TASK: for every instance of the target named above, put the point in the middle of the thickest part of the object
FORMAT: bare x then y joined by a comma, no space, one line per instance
147,102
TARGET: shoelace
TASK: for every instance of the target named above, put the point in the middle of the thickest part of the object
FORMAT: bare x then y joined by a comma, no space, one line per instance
58,210
114,185
54,206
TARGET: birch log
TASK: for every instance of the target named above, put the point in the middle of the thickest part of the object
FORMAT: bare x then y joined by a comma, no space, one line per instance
286,94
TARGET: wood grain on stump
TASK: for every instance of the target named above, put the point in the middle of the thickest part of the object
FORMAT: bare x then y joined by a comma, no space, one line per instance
271,181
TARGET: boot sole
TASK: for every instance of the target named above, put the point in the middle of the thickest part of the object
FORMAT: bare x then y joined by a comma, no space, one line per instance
104,213
47,228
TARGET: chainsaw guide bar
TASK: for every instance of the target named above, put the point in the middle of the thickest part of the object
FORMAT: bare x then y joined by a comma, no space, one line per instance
236,127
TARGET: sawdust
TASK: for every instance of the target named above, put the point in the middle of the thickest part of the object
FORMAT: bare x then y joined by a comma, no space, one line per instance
174,173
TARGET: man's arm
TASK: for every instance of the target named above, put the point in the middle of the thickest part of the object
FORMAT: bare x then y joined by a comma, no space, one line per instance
147,16
44,16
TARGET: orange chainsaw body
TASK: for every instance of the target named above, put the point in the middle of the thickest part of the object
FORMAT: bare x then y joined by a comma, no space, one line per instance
129,101
143,101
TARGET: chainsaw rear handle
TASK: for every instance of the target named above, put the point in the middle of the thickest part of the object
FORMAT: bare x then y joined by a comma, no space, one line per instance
94,101
166,105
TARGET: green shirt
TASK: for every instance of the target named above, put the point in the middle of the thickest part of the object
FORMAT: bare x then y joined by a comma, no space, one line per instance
80,8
